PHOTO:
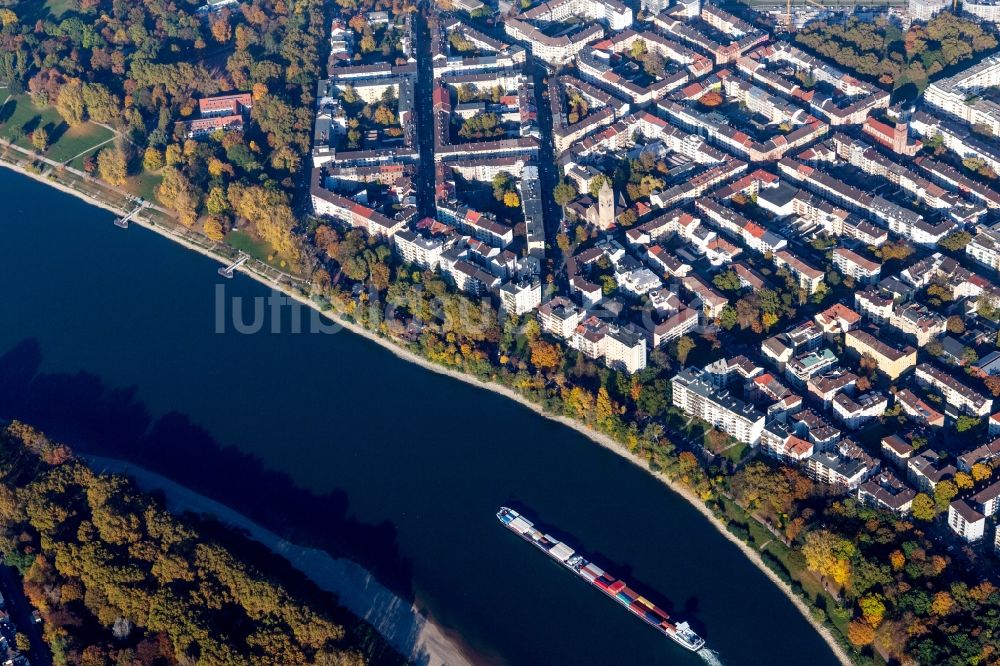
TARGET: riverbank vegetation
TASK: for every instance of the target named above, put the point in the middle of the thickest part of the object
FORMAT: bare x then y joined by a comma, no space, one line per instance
117,579
884,586
140,68
880,50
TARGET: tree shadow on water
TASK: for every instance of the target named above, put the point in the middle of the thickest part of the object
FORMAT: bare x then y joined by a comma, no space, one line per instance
81,410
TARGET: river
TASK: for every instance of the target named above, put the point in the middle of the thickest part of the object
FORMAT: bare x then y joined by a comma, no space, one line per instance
109,341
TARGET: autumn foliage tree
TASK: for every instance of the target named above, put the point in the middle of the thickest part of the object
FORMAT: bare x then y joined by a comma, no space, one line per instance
268,210
40,139
112,165
103,563
829,555
177,193
545,355
860,633
923,507
70,103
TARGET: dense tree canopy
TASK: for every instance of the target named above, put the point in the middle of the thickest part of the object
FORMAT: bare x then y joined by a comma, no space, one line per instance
141,67
879,49
113,574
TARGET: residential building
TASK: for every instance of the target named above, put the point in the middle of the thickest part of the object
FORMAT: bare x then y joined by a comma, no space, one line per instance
856,411
891,360
518,298
852,264
779,442
625,348
888,492
955,393
674,326
956,94
918,409
809,278
987,10
875,304
926,469
825,387
560,317
811,425
918,321
696,396
555,50
810,364
985,247
467,276
965,521
837,319
418,250
326,202
711,301
925,10
984,453
897,450
988,499
845,466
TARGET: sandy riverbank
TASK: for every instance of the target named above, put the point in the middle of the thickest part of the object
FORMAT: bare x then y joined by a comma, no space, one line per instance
412,357
357,590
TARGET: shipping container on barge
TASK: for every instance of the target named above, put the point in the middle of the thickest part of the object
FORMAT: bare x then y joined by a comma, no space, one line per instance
618,590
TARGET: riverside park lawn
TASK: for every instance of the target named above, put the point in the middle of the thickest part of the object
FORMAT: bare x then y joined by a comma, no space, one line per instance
19,118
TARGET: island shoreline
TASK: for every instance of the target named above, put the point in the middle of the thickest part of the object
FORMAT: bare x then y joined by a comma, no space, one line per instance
407,355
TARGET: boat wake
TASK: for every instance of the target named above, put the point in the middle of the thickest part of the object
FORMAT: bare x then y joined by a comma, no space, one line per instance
710,657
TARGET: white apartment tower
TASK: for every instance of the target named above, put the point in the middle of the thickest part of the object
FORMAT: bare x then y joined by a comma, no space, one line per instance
695,395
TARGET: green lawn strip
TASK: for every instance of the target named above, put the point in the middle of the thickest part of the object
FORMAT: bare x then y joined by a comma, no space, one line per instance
144,185
76,140
78,161
257,249
20,118
791,561
735,452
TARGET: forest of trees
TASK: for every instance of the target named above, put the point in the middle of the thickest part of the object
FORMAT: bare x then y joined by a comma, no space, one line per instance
117,579
141,67
880,50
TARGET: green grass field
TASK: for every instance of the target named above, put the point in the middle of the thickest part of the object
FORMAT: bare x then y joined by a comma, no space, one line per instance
144,185
76,140
57,8
19,118
257,249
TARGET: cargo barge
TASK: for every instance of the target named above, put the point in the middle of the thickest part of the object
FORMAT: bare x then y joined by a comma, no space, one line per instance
618,590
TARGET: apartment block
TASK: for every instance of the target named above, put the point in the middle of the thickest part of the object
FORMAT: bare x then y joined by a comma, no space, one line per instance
696,395
966,522
955,393
891,360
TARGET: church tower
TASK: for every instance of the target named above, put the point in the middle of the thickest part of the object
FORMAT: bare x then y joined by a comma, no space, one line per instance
606,205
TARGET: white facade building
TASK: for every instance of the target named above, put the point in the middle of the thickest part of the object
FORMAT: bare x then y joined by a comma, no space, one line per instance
695,395
518,298
965,521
